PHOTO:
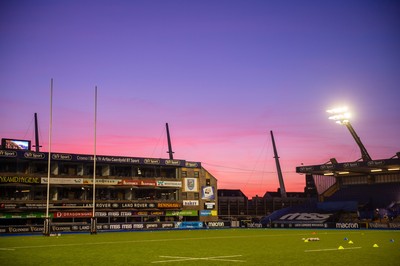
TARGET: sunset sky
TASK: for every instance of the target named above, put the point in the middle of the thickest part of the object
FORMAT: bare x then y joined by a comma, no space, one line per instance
221,73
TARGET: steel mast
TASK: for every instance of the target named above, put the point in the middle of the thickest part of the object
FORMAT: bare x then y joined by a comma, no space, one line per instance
171,153
278,168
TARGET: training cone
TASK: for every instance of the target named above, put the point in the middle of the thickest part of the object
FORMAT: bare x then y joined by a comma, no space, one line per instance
375,246
340,247
305,241
351,242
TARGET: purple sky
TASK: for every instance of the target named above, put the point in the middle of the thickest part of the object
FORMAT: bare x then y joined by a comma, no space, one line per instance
221,73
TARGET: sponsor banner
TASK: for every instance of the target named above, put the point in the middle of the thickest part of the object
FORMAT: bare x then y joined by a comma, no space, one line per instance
191,185
87,214
61,157
20,179
23,205
253,225
300,225
174,162
346,166
108,182
8,154
114,214
83,227
190,203
394,225
34,155
207,193
89,158
151,161
147,183
21,229
166,205
347,225
130,182
23,215
189,225
148,213
63,181
116,159
192,164
182,213
208,213
304,217
217,224
99,205
378,225
209,205
169,184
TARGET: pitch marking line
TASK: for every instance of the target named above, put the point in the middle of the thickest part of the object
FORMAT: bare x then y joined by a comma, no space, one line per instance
12,249
329,249
218,258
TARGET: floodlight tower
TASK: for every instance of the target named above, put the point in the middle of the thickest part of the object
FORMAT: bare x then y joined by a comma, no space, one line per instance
341,116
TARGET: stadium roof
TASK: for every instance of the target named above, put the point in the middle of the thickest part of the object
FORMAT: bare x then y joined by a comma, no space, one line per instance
333,168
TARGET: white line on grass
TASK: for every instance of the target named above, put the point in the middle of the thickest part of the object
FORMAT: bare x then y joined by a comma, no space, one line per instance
12,249
218,258
330,249
159,240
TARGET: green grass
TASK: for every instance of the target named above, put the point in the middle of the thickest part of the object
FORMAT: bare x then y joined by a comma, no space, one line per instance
206,247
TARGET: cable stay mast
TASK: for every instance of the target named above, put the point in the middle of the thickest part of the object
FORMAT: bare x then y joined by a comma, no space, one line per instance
170,152
37,145
278,168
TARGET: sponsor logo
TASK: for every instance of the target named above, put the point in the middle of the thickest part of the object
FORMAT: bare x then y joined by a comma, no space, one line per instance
4,153
169,225
192,164
138,226
306,169
216,224
190,184
34,155
254,225
378,225
172,162
394,225
327,167
58,156
190,203
20,179
305,217
18,229
127,226
375,163
151,226
168,205
115,226
347,225
151,161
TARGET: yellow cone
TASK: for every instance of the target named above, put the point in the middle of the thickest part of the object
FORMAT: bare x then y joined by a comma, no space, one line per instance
351,242
341,247
375,246
305,241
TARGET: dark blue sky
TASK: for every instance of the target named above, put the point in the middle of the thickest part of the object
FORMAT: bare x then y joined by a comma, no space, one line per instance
221,73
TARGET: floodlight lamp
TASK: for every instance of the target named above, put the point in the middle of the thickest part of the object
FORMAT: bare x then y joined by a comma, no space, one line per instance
340,115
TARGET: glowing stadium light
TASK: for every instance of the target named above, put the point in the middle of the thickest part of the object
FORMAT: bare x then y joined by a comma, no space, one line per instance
344,173
341,115
394,169
376,170
327,174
